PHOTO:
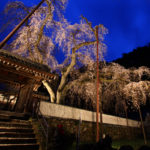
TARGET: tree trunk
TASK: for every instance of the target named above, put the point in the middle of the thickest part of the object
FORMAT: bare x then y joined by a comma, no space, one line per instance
64,77
126,116
58,97
50,91
143,130
126,113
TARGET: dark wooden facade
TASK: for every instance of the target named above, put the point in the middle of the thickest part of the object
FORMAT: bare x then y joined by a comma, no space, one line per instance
25,74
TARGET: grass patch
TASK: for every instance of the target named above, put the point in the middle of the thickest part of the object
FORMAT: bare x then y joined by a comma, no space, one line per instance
135,143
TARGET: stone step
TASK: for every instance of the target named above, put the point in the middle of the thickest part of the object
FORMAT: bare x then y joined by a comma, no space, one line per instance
4,117
14,115
19,147
15,134
8,140
14,129
20,121
16,124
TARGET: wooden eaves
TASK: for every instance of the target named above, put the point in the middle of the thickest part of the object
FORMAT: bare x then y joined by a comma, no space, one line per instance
23,68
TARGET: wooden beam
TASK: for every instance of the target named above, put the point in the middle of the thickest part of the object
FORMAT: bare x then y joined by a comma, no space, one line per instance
12,77
9,82
16,64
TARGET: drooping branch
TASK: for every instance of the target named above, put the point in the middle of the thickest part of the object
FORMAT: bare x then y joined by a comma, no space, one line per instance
28,44
89,24
41,31
19,25
93,29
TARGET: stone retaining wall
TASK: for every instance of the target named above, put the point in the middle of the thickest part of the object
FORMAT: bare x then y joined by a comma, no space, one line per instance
69,117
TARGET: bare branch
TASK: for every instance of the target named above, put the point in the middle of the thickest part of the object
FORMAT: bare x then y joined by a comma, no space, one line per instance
83,44
89,23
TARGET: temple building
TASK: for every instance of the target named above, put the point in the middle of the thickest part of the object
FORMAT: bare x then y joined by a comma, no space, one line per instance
19,80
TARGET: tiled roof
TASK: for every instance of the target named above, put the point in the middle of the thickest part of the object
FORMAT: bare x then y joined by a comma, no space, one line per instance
24,61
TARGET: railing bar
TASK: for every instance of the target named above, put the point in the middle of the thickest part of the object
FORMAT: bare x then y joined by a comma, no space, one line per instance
43,122
42,126
43,118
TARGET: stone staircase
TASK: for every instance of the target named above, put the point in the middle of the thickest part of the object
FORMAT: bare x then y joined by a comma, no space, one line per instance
16,132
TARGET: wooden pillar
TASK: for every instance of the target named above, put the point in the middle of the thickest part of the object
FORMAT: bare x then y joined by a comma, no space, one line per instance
25,95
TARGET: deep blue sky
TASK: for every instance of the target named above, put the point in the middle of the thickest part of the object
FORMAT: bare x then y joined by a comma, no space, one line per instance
128,21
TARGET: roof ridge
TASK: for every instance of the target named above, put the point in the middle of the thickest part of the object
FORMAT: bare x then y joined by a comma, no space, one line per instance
26,61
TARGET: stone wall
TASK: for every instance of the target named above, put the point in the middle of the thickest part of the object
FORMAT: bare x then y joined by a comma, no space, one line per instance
88,129
70,118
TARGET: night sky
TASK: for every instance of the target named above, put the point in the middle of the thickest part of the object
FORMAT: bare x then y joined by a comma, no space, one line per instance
128,21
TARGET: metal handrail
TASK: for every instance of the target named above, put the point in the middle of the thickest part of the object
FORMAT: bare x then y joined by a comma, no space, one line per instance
42,120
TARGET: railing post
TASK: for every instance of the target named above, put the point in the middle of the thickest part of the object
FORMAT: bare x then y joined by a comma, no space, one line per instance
44,125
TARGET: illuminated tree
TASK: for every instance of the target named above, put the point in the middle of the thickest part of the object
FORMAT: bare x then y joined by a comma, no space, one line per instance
137,93
10,18
32,42
114,78
80,41
117,88
81,90
76,41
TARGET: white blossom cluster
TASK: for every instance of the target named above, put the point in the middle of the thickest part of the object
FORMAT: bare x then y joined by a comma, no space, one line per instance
70,36
137,92
32,35
117,89
117,71
39,43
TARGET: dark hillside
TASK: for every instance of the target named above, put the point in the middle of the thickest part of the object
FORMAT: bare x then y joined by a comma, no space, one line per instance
136,58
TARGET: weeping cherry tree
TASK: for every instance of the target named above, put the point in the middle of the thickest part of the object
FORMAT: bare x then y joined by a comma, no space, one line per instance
137,93
77,41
